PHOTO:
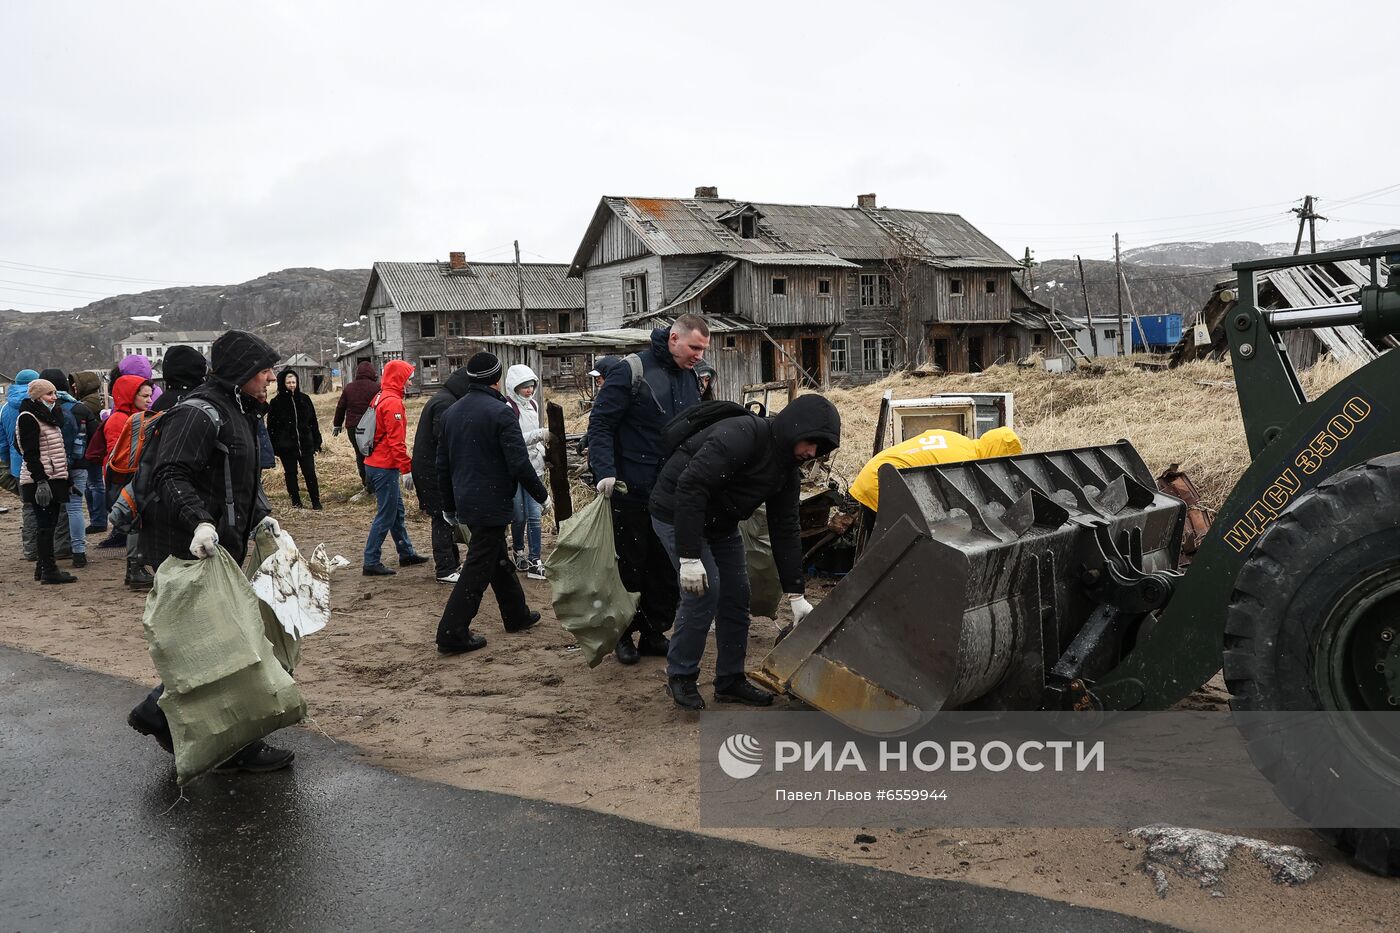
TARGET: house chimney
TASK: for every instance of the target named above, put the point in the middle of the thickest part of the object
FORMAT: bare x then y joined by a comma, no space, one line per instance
456,260
865,202
707,192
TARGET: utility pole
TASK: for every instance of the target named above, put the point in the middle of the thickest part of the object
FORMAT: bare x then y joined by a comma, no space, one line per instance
1118,274
1088,311
520,292
1026,264
1306,214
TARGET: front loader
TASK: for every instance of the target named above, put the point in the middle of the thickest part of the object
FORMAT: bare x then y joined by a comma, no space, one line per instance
1049,580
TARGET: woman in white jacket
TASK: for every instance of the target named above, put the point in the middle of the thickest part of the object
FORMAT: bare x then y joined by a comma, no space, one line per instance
521,386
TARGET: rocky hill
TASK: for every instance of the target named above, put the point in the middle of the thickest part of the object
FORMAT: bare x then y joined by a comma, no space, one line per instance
297,310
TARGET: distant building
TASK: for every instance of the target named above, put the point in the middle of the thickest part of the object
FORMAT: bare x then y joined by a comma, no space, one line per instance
312,377
429,313
154,344
839,294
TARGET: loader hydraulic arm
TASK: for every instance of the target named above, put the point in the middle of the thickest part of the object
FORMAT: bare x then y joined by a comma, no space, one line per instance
1269,391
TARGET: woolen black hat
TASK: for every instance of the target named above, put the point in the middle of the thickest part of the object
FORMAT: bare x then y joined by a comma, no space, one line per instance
484,368
238,356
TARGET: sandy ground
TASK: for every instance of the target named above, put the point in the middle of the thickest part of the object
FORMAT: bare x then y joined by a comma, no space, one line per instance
526,716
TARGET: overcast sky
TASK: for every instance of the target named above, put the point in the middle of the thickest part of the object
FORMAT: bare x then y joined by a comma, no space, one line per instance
211,142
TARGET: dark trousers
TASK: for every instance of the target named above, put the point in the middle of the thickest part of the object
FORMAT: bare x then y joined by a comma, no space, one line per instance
644,567
359,457
97,497
488,564
307,460
725,602
447,557
46,517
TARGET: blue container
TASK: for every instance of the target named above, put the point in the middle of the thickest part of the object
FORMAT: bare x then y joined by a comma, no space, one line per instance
1163,331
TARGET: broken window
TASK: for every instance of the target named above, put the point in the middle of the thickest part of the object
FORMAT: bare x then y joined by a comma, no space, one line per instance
379,327
748,226
428,369
1111,334
454,325
991,286
877,354
874,290
955,286
564,324
455,363
634,295
427,325
1037,339
730,342
498,324
839,361
823,286
779,285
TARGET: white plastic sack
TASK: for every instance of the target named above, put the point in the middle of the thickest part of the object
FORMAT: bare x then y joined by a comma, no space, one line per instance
297,590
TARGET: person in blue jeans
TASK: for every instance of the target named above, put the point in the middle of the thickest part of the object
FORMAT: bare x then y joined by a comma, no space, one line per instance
387,467
713,480
79,424
522,386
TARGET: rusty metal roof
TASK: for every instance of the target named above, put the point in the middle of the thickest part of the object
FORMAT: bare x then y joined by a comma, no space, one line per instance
578,342
482,286
684,226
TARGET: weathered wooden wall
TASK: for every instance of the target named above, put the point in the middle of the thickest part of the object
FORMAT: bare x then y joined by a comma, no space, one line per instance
616,242
603,290
754,298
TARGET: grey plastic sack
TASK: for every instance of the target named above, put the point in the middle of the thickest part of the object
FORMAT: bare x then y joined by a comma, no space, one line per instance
589,598
224,686
765,589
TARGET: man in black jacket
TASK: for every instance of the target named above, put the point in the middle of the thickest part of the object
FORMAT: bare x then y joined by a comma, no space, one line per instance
189,516
712,482
447,559
183,370
481,462
626,427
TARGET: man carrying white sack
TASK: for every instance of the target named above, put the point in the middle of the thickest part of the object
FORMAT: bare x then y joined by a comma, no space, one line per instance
208,492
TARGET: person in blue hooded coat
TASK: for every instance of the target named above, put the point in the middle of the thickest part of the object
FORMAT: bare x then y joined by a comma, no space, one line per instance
14,460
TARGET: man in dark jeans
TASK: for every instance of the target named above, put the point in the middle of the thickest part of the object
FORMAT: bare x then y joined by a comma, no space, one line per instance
447,559
481,462
626,428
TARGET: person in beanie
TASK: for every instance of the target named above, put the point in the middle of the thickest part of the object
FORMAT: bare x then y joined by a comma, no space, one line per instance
713,481
447,558
183,369
481,461
296,436
87,387
354,401
79,424
388,467
43,479
189,518
15,396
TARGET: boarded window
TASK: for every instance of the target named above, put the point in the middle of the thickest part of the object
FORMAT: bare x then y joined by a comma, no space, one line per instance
634,295
428,369
991,286
779,285
874,290
955,286
427,325
379,327
877,354
824,287
840,363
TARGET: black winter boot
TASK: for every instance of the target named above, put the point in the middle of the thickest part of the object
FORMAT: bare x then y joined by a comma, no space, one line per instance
685,693
48,567
626,650
739,690
136,576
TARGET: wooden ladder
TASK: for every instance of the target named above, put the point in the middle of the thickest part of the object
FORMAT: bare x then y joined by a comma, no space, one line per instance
718,230
1066,338
911,245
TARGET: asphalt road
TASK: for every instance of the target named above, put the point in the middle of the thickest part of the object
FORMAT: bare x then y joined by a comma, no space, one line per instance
93,836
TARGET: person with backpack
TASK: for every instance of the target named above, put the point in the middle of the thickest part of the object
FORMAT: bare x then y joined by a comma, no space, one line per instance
387,467
481,462
521,385
87,387
354,401
184,370
447,557
79,424
713,480
131,397
640,394
296,436
201,489
43,479
15,397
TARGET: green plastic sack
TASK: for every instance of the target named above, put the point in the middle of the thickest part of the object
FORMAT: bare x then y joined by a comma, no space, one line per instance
765,588
589,598
224,686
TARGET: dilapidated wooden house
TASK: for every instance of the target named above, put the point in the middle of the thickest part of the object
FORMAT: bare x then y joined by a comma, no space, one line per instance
824,294
432,313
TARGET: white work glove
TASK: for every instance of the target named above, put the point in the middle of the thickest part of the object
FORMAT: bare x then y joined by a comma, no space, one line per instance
541,435
800,608
269,524
335,432
605,487
407,480
205,543
693,577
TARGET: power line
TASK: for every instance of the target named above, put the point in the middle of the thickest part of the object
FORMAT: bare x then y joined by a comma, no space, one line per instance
54,270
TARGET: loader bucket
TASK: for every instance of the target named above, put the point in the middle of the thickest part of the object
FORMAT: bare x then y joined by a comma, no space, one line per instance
977,578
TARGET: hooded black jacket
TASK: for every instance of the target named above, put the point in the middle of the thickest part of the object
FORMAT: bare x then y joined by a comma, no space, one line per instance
189,469
719,477
482,460
291,420
183,369
355,397
429,432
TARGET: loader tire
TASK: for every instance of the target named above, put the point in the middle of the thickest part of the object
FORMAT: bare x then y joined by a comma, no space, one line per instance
1314,611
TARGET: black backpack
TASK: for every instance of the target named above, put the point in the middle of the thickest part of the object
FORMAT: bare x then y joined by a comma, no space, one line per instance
699,417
